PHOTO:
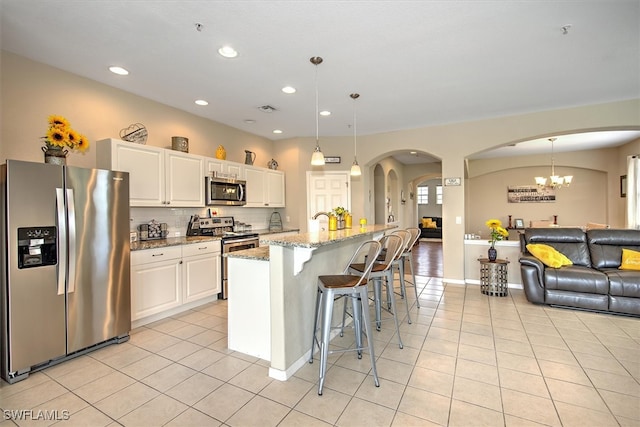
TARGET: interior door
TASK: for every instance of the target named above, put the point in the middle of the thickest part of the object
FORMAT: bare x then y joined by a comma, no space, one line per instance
325,191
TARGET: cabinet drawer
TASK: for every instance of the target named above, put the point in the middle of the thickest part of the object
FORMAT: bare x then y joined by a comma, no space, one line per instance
155,255
201,248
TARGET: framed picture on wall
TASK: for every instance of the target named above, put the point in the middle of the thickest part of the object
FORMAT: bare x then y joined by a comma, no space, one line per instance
623,186
519,223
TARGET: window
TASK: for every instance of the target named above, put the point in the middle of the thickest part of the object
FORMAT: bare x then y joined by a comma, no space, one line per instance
423,195
438,194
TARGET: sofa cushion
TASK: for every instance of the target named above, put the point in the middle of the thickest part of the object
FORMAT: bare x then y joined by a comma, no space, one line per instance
624,283
630,260
576,278
572,242
605,246
548,255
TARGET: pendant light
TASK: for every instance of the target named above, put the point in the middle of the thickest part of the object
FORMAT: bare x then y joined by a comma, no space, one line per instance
317,159
355,167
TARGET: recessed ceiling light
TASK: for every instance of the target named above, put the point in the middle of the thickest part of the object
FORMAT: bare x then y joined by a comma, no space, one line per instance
201,102
277,131
413,152
249,121
289,89
325,113
118,70
228,52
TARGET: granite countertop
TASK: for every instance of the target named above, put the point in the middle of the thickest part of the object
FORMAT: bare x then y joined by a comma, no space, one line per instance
265,231
186,240
170,241
260,254
323,238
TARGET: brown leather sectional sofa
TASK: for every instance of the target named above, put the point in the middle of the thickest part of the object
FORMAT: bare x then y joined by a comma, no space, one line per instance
594,281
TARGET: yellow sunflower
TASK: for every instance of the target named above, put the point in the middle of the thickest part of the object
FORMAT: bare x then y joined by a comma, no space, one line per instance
58,121
57,136
494,223
83,143
74,138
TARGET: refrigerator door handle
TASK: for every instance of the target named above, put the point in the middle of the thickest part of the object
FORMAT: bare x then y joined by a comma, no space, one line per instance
62,238
71,209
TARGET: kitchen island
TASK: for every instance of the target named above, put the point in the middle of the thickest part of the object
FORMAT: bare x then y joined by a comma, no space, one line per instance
272,292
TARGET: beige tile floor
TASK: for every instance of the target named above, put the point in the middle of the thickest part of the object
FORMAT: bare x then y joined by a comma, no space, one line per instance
468,360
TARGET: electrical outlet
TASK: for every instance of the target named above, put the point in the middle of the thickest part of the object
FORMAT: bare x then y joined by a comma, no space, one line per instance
458,220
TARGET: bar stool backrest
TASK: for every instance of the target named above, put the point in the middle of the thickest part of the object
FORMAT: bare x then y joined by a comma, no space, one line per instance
393,246
406,239
415,235
366,253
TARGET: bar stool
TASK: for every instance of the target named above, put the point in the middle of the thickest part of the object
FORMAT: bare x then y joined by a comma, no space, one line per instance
399,262
333,287
392,246
406,255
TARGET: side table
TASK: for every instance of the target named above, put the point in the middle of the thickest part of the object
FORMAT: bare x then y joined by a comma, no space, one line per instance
493,277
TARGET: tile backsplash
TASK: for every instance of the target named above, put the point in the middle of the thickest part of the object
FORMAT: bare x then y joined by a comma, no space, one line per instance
177,219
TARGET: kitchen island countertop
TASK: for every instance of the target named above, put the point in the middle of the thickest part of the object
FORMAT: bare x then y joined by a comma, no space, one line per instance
324,238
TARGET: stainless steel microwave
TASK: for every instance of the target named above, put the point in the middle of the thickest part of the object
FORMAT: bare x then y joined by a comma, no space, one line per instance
225,191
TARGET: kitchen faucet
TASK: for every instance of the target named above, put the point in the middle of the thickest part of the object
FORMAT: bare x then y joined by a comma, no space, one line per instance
321,213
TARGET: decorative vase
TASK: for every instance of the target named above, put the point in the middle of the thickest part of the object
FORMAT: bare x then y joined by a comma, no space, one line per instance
348,220
341,222
492,254
55,155
333,223
221,153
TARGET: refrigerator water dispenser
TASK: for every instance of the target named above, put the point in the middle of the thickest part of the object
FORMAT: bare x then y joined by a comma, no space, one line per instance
37,247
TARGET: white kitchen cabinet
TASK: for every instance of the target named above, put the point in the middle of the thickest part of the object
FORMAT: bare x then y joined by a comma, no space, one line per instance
157,177
201,272
225,167
265,187
155,281
168,280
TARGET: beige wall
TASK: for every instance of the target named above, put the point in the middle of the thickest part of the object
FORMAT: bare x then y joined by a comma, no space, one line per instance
32,91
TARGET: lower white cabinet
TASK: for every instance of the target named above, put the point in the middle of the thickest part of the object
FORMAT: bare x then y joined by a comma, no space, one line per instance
201,270
171,279
156,283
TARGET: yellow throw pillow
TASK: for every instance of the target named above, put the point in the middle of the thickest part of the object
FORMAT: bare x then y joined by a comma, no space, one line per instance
548,255
426,222
432,225
630,260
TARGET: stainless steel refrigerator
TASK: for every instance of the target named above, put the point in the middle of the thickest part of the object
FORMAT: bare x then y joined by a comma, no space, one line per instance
65,263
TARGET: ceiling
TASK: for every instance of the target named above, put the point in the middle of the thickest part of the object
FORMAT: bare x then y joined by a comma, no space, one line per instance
414,63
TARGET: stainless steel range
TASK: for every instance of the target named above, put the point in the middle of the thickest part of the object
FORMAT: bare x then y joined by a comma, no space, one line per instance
231,240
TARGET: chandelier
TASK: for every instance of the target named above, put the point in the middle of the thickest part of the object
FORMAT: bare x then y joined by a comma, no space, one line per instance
555,181
317,159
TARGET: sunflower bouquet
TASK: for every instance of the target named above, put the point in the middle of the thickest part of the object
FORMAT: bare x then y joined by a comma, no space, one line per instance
497,231
60,135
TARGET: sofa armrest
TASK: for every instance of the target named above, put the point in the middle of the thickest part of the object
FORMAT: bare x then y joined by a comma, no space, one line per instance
532,271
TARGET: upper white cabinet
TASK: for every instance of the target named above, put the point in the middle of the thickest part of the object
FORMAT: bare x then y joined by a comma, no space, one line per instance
265,187
225,167
157,177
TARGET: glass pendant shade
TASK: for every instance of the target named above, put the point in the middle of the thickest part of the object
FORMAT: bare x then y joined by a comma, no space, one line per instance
317,158
355,169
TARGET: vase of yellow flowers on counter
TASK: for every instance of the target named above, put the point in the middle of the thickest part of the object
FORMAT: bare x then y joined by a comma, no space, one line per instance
497,232
61,138
340,213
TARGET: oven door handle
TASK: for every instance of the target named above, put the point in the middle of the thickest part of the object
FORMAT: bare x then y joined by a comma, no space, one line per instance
234,241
